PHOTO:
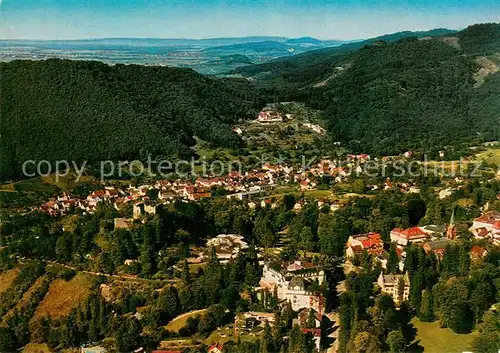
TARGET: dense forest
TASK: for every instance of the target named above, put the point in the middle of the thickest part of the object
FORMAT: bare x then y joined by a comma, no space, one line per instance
78,110
385,98
382,96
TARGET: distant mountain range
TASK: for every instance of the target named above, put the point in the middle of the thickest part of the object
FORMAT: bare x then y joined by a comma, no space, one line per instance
202,55
206,56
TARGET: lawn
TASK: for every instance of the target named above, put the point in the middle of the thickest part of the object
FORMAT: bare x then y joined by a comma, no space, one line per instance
176,324
435,339
226,334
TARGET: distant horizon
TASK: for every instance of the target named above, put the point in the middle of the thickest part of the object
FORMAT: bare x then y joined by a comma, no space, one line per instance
229,37
345,20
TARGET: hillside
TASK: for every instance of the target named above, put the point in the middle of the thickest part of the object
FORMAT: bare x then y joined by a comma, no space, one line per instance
388,97
315,60
83,110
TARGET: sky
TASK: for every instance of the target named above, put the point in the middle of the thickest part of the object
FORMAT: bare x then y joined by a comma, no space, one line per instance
323,19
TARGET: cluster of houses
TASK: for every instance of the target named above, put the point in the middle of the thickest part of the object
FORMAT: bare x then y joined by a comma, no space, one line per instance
237,185
146,197
487,227
433,239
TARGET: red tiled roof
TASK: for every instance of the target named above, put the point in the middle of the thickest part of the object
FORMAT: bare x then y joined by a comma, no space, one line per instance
99,193
482,232
374,239
316,332
414,232
490,217
477,250
214,346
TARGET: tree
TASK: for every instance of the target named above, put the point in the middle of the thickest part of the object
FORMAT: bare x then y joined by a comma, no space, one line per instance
7,340
393,261
297,341
481,299
147,258
396,341
461,317
463,261
169,304
333,232
306,239
213,278
426,306
488,340
365,342
266,345
186,274
311,319
262,230
63,247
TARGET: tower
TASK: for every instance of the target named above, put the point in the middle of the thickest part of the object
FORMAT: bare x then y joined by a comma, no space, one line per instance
451,230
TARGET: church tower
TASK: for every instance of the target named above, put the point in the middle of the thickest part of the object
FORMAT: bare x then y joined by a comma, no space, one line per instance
451,230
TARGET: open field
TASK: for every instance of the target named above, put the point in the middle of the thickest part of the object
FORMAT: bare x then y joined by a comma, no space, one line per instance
435,339
176,324
6,279
66,182
63,296
491,155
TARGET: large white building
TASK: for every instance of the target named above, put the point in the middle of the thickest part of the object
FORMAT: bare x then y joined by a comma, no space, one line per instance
390,284
293,282
411,235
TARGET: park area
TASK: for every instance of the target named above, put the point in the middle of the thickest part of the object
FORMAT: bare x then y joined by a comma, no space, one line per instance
433,339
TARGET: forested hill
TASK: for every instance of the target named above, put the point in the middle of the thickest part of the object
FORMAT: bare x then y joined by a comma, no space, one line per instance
86,110
389,97
319,57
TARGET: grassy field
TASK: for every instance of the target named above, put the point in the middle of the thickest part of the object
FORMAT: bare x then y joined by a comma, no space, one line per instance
435,339
63,296
491,155
176,324
36,348
6,279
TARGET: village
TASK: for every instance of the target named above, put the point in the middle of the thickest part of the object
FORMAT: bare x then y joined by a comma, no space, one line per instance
299,283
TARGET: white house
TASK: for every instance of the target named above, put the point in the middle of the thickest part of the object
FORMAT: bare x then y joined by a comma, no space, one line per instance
390,284
293,283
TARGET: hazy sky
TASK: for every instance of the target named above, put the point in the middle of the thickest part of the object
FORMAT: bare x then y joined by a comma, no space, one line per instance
334,19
